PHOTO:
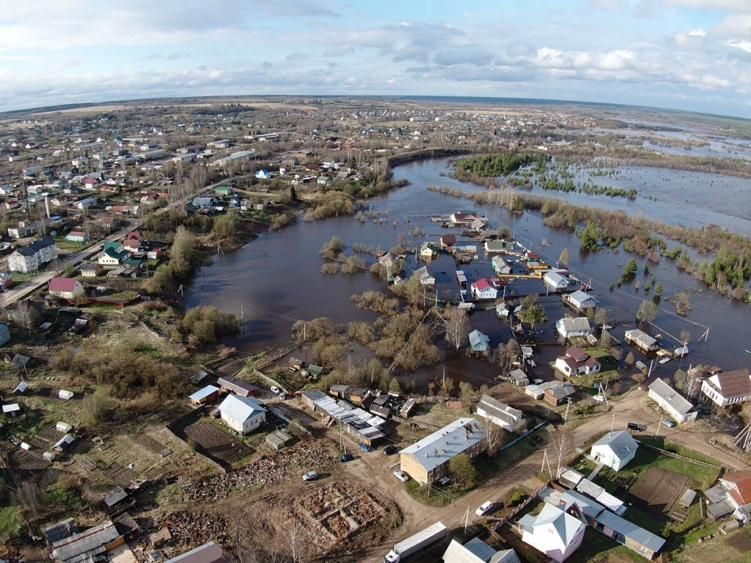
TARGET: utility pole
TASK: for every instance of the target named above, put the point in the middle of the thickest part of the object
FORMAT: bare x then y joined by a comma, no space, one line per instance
657,432
568,406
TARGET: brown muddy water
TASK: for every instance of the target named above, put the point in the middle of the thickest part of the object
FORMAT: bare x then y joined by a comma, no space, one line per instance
275,280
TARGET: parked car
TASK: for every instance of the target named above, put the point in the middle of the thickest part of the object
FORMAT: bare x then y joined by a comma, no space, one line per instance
443,481
667,422
310,476
401,475
275,389
637,427
390,450
486,508
344,458
366,448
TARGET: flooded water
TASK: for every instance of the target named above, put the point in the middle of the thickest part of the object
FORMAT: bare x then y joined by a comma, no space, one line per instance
275,280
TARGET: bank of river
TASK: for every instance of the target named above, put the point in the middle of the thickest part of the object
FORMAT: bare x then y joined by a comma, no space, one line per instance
276,280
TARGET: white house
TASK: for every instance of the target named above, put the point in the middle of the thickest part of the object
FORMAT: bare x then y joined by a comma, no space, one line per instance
65,288
112,257
424,276
242,414
500,414
573,328
500,266
481,289
30,258
672,402
614,449
555,280
728,388
554,532
477,551
577,362
580,300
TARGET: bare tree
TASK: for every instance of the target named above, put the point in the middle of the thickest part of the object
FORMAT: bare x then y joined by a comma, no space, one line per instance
457,326
493,438
563,446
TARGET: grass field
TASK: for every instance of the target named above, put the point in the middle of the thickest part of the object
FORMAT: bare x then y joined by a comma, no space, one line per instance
10,521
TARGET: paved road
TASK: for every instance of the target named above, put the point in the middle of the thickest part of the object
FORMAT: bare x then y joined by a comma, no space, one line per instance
377,469
24,289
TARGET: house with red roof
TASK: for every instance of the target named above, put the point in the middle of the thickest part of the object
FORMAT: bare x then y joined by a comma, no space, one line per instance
577,362
731,495
482,289
728,387
65,288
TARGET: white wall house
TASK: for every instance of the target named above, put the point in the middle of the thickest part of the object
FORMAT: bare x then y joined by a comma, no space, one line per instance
573,328
555,280
65,288
242,414
728,388
31,258
672,402
553,532
500,414
481,289
614,449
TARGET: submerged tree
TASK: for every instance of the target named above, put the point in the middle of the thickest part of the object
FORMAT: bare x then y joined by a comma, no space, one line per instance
457,326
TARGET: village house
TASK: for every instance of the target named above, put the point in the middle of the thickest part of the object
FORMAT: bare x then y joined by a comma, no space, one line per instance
89,270
424,276
731,495
579,300
498,245
500,266
477,551
31,258
65,288
113,257
448,242
462,219
427,460
481,289
553,531
363,425
614,449
594,514
21,230
573,328
672,402
728,387
641,341
576,362
77,236
242,414
479,342
500,414
555,392
204,202
555,280
87,545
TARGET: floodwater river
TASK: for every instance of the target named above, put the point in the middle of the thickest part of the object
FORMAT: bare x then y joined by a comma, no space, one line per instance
275,280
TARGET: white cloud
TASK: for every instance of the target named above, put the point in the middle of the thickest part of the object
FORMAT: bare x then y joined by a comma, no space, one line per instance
732,5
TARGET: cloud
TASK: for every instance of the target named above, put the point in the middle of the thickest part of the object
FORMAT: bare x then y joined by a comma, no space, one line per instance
469,54
732,5
608,5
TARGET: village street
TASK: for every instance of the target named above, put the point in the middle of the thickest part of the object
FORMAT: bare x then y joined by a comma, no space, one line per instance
378,469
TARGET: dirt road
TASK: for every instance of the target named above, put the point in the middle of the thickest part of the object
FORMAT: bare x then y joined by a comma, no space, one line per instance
378,469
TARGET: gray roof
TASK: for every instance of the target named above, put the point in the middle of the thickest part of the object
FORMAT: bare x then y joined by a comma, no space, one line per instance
621,443
641,337
563,525
477,551
83,546
204,392
240,408
206,553
631,531
446,443
578,324
499,410
671,396
478,340
578,297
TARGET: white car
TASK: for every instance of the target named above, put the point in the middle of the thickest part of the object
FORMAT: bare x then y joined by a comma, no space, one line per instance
275,389
485,508
401,475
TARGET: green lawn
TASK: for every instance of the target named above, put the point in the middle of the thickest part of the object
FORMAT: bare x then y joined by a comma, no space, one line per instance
10,521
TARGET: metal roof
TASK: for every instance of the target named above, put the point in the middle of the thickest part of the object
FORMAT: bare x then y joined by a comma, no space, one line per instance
206,553
490,407
621,443
84,545
631,531
240,408
446,443
204,392
674,399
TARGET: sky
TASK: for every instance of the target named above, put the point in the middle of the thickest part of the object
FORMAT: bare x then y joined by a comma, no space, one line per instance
682,54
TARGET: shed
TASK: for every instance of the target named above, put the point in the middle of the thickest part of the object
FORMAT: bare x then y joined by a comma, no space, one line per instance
205,395
237,386
278,439
479,342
